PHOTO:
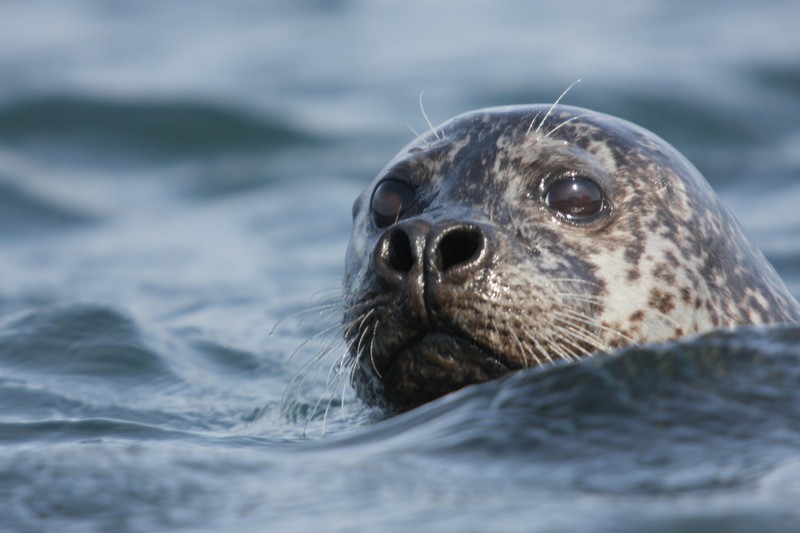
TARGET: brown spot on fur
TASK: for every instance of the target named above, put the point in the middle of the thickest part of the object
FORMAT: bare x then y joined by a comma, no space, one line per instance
637,316
634,252
686,295
661,301
663,272
672,260
634,274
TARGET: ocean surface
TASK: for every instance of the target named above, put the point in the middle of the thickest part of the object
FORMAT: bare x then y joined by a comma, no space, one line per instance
175,189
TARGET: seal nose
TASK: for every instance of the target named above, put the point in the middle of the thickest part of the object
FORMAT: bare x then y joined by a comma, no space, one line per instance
442,250
456,247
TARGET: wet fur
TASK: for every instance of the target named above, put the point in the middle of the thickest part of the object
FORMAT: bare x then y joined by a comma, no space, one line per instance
668,261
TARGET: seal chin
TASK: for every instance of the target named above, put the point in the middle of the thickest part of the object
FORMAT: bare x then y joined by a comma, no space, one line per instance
435,364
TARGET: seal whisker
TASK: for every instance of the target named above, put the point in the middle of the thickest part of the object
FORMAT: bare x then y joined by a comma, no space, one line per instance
335,368
522,348
340,382
545,353
351,367
305,372
333,312
549,133
350,308
579,298
583,320
552,107
575,350
298,381
530,126
332,395
334,381
537,347
314,409
583,344
363,332
357,323
308,310
575,344
575,280
558,349
372,349
428,121
324,333
420,138
571,315
306,368
333,295
345,385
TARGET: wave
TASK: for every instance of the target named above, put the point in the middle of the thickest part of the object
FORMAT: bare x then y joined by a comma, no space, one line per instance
23,211
143,128
649,416
87,340
680,435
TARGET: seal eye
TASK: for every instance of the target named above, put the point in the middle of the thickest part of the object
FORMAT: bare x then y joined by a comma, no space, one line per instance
391,199
576,197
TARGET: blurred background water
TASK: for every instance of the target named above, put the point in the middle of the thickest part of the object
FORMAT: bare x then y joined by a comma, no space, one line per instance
176,178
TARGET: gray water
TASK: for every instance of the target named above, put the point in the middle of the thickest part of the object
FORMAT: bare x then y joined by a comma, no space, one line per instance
175,190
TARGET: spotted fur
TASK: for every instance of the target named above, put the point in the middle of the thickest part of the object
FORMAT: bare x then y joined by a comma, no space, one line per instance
666,260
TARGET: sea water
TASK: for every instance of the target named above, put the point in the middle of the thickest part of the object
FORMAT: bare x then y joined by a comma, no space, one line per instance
175,190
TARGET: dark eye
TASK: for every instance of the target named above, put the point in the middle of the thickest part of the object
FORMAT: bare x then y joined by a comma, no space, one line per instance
576,197
391,199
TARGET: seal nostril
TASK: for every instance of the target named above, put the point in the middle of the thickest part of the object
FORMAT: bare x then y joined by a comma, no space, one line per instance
398,254
458,247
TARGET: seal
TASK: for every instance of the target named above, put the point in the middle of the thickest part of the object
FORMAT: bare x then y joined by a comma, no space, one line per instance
512,237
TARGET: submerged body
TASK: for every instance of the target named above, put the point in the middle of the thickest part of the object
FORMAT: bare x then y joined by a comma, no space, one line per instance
511,237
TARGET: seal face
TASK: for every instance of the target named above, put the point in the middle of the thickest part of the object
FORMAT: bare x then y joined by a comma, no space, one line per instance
516,236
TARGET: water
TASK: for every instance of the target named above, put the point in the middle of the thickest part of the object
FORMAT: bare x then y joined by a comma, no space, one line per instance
176,178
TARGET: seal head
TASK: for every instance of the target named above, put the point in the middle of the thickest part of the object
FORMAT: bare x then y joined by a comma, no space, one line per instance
516,236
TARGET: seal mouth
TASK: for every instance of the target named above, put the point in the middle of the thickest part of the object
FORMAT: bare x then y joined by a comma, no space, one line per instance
452,346
436,363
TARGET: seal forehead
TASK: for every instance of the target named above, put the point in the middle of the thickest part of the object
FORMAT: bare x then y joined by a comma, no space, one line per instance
491,159
522,133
